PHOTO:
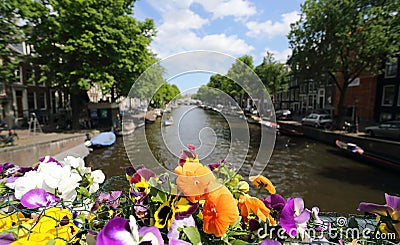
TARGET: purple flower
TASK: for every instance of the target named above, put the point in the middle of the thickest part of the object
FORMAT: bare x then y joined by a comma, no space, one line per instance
275,201
144,173
173,232
270,242
36,198
190,154
254,225
7,239
294,216
178,242
119,231
48,159
110,199
391,209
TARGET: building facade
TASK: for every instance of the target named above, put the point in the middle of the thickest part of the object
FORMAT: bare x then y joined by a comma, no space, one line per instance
387,105
26,95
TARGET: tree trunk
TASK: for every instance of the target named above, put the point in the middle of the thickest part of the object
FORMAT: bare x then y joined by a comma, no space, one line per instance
341,109
79,108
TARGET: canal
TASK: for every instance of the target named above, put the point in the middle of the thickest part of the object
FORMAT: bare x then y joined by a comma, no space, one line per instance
299,167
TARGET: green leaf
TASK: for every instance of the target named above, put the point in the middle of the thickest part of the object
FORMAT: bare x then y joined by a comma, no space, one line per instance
83,191
193,234
51,242
160,196
238,242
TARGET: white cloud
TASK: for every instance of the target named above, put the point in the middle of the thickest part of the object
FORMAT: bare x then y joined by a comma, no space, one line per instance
280,56
181,30
272,29
221,8
167,43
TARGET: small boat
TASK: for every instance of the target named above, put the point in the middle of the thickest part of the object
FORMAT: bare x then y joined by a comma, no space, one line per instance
169,122
290,132
103,139
126,128
358,153
350,147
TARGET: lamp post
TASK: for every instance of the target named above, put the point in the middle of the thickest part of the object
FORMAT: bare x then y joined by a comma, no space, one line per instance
355,116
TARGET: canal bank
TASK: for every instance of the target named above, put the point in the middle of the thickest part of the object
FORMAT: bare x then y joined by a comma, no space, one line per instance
29,147
386,149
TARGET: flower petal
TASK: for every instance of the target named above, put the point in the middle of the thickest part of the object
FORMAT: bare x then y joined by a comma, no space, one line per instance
374,208
151,234
173,232
286,218
116,231
393,201
38,198
270,242
275,201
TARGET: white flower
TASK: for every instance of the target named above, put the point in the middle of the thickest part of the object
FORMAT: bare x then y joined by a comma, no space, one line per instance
68,186
97,177
29,181
76,163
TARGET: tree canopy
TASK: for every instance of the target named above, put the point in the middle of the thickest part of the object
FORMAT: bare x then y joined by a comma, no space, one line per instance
273,75
342,39
10,33
78,43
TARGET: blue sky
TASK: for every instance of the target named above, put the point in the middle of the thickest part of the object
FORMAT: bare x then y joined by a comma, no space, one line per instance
232,27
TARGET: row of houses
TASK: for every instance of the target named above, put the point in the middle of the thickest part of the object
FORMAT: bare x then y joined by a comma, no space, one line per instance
372,98
26,95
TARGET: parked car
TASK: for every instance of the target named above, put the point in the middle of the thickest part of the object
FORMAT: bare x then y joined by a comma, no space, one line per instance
389,129
317,120
283,114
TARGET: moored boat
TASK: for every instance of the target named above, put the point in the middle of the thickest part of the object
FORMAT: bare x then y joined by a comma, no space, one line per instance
103,139
358,153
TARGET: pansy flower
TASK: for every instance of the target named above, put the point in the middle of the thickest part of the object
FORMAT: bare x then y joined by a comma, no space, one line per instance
389,214
58,222
219,211
263,182
249,204
188,156
38,198
176,207
293,217
118,231
194,180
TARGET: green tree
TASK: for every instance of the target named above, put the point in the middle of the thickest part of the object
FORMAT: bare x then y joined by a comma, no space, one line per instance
165,94
273,75
78,43
10,33
342,39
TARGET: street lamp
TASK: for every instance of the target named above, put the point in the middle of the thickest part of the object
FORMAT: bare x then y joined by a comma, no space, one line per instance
355,119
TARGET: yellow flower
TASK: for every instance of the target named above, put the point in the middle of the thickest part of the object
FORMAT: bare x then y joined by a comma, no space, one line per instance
57,222
35,239
264,182
7,221
248,204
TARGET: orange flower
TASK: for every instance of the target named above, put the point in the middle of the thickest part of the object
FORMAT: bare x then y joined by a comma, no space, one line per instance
248,204
219,211
264,182
194,180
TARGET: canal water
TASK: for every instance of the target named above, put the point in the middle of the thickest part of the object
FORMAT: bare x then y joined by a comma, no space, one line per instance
299,167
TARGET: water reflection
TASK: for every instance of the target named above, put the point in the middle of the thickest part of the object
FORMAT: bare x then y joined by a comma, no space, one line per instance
298,167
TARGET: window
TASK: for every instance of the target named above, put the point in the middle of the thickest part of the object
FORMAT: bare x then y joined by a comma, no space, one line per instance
398,97
385,116
31,101
41,100
2,90
388,95
29,76
391,69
